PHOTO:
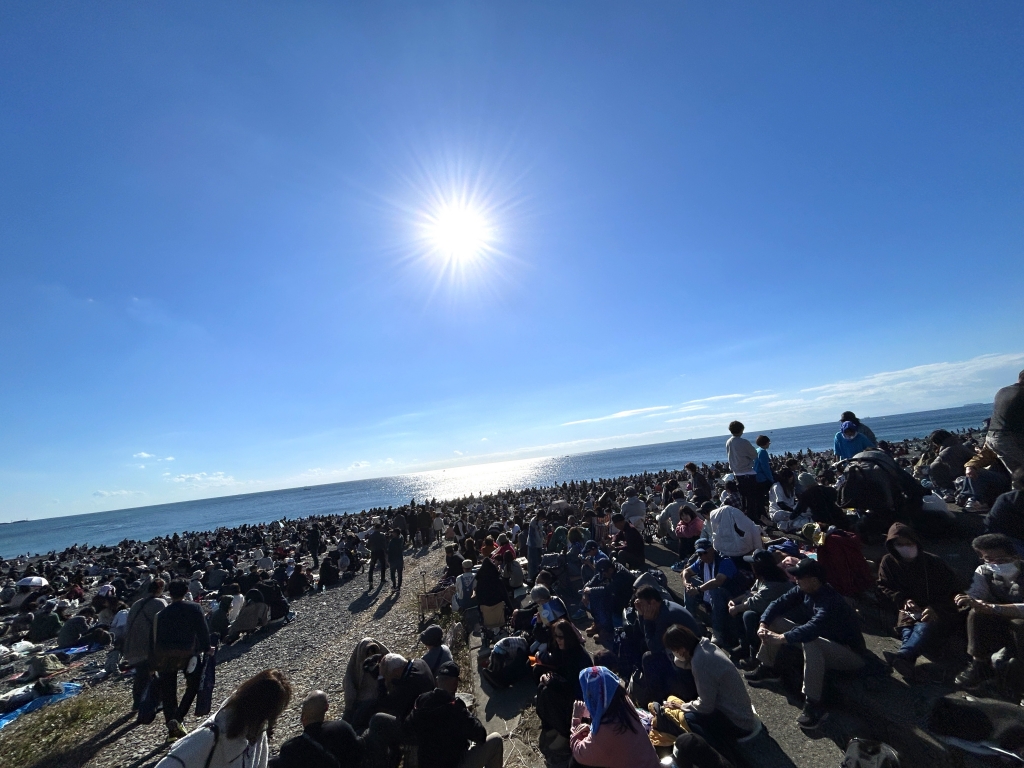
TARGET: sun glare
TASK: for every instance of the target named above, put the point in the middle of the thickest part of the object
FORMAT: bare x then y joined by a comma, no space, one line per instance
458,232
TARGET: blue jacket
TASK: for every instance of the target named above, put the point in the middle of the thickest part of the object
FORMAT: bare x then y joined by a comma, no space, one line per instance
763,467
670,613
847,449
832,618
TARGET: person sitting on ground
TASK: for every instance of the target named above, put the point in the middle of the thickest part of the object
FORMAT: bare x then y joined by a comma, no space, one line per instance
831,639
320,738
502,547
722,712
700,488
404,680
633,508
669,517
240,727
558,672
628,542
330,573
732,533
487,548
804,480
443,729
255,615
490,594
218,618
921,587
606,595
849,441
606,730
592,554
1007,513
437,652
770,582
465,585
77,627
821,503
688,531
782,504
708,582
512,575
360,683
549,610
661,677
950,463
299,583
508,663
996,603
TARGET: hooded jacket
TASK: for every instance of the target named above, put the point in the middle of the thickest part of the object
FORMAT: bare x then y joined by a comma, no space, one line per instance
443,728
360,685
927,579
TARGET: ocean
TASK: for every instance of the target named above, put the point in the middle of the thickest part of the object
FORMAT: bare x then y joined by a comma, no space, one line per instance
33,536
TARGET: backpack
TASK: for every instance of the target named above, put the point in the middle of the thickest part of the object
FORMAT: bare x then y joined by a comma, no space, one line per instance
846,569
865,753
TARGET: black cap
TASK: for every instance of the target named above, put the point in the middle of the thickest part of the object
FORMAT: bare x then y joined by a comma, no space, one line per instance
448,669
807,567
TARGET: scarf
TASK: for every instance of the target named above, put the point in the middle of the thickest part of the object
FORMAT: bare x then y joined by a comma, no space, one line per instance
599,685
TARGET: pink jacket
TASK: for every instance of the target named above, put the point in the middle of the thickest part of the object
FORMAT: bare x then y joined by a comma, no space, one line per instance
612,749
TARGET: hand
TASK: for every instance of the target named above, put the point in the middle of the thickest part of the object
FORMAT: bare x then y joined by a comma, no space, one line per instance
911,607
772,638
735,610
972,472
672,705
929,615
964,601
693,592
579,710
545,678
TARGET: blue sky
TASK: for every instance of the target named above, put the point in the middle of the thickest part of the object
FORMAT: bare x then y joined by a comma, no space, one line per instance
214,277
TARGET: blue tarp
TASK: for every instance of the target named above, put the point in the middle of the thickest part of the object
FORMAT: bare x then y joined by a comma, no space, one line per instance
70,689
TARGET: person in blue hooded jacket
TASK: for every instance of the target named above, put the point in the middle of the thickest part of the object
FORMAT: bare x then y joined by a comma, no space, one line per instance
850,441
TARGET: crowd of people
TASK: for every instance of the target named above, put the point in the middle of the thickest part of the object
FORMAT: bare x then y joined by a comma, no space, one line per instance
770,562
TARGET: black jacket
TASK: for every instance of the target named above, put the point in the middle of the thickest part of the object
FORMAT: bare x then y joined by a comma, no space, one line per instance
443,729
336,738
181,626
403,692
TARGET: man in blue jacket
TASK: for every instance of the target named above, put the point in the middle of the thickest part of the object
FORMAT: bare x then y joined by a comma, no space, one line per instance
850,441
830,638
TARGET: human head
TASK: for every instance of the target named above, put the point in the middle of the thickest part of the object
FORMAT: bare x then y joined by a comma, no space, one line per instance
396,532
690,467
447,677
432,636
540,594
678,494
177,589
565,635
849,429
938,437
680,641
1018,479
765,566
809,575
314,708
156,587
736,428
849,416
647,602
619,521
391,667
763,441
256,704
630,491
705,551
467,566
995,548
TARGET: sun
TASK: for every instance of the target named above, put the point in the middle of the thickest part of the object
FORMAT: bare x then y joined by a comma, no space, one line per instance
459,232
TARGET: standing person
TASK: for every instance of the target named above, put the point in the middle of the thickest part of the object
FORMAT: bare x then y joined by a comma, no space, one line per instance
1006,429
438,527
862,428
138,637
313,543
400,522
396,562
180,637
742,458
849,441
236,736
763,473
535,541
377,543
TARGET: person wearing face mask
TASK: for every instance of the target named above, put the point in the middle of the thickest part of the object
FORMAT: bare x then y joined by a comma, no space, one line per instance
921,587
850,441
995,600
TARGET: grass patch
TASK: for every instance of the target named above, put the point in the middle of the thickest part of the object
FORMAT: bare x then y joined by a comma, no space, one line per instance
61,735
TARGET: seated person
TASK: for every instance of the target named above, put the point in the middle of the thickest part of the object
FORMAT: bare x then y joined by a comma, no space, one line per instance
708,582
662,678
319,735
218,620
46,623
821,502
628,542
437,652
770,582
446,733
75,628
996,603
700,488
949,463
607,594
512,575
299,583
986,480
782,503
688,531
732,533
404,681
254,615
558,670
921,587
508,663
592,554
830,639
330,573
453,562
605,730
1007,513
490,594
549,610
669,517
501,546
360,683
465,585
722,712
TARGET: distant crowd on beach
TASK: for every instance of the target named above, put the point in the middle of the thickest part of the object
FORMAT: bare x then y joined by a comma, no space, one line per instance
769,552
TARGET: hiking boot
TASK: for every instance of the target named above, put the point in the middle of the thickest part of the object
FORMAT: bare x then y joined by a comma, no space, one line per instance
174,731
763,674
748,664
904,666
977,672
812,716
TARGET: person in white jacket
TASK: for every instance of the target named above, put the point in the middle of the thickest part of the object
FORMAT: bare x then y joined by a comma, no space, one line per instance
236,735
732,533
782,504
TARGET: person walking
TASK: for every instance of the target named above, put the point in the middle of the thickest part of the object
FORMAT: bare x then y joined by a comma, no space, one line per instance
138,637
377,543
396,546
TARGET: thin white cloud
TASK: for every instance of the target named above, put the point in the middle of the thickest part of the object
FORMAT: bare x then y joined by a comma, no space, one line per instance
142,455
108,494
714,398
458,453
169,458
698,417
758,398
358,465
619,415
206,480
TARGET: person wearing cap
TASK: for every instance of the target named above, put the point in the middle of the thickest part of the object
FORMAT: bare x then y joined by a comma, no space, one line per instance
707,583
404,680
742,459
849,441
863,429
446,733
660,675
628,542
830,639
592,555
633,508
770,582
437,652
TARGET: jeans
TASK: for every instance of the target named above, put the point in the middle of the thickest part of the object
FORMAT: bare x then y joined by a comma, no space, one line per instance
917,638
820,655
168,678
378,557
986,486
746,626
664,679
533,560
396,571
748,488
721,626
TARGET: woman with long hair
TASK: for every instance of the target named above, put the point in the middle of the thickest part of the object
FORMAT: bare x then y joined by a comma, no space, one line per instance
606,730
236,736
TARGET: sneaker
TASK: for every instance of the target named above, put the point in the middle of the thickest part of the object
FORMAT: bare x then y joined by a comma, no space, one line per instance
748,664
763,674
976,506
174,731
812,716
580,614
976,673
680,566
